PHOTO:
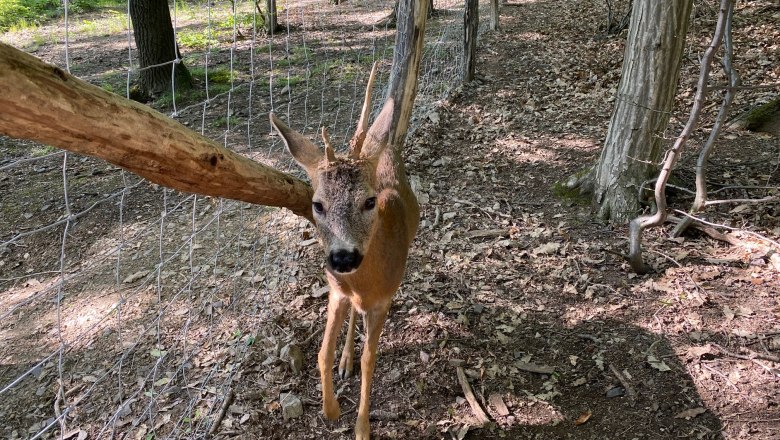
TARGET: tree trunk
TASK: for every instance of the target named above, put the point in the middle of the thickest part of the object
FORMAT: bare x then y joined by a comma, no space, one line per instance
271,17
470,28
157,47
494,13
648,82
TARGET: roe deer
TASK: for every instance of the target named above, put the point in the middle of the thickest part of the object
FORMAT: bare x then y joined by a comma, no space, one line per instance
366,216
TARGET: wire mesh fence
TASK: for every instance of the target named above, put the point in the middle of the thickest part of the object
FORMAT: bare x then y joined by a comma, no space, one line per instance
126,308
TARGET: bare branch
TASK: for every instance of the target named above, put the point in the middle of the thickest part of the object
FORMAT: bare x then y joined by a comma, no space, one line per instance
730,228
700,200
41,102
721,202
755,87
640,223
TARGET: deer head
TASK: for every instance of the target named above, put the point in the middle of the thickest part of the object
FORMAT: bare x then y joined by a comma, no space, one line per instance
344,203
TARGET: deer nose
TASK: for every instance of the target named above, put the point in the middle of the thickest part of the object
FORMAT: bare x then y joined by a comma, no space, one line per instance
344,261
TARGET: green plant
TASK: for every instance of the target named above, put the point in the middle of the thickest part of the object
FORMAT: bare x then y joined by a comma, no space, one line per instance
225,122
24,14
195,39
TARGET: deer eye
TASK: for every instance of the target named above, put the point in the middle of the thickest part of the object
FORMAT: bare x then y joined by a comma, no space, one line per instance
370,203
318,208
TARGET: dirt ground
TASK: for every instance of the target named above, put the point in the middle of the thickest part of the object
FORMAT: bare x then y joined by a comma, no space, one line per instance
171,311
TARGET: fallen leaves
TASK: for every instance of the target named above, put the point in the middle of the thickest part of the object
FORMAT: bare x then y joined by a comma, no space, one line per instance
690,413
658,364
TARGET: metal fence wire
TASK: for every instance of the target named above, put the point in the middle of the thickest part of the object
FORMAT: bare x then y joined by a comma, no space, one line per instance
126,309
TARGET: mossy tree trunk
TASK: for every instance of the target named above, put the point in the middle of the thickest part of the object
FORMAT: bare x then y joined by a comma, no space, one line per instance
158,53
648,83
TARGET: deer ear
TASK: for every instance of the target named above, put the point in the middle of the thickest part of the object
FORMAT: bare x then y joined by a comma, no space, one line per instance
376,156
302,150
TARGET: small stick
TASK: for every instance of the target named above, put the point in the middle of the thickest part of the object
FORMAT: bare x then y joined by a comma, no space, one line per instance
482,417
221,414
623,381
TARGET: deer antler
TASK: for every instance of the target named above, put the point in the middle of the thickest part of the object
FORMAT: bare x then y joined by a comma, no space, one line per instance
356,144
329,152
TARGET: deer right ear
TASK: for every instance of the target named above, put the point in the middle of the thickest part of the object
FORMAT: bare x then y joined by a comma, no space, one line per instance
304,151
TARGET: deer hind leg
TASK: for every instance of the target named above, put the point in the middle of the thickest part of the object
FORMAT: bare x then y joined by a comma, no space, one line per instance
338,305
374,321
348,354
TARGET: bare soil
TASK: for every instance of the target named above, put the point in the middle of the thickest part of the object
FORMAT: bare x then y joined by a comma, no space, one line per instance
166,306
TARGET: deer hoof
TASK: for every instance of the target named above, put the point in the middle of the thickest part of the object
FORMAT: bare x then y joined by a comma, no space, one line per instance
345,372
332,411
362,430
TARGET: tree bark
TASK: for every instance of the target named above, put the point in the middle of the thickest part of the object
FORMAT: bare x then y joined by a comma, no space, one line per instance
470,28
271,17
158,53
494,14
41,102
648,82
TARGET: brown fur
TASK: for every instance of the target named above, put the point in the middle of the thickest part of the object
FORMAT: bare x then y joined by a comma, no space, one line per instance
382,235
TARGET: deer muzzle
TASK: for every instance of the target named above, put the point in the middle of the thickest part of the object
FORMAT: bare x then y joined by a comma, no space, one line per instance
344,261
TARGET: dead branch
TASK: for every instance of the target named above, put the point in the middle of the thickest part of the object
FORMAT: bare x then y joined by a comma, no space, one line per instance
750,356
741,87
761,200
623,381
638,224
43,103
392,124
479,413
716,225
221,414
700,201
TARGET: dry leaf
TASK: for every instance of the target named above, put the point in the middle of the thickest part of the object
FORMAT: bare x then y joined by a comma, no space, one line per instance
690,413
547,248
657,364
584,417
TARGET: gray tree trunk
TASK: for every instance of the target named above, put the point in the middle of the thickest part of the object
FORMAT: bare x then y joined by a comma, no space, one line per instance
648,82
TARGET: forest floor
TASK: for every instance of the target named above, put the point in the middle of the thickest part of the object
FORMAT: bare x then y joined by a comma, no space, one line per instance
507,278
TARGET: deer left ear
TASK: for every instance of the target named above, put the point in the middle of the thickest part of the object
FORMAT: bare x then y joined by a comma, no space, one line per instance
374,159
302,149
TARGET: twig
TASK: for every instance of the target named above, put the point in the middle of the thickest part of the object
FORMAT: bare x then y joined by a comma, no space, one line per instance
313,335
638,224
756,87
721,375
762,200
716,225
482,417
748,357
623,381
221,414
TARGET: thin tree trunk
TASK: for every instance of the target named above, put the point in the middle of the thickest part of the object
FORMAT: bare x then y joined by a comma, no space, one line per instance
470,28
158,54
494,11
271,17
648,82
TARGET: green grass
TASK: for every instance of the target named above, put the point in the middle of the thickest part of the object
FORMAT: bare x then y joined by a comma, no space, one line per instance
223,121
196,39
24,14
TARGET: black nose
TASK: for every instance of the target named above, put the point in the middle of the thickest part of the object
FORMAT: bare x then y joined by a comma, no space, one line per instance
344,261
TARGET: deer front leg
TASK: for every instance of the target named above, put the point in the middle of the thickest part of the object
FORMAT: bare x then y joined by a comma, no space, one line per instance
348,354
338,305
374,321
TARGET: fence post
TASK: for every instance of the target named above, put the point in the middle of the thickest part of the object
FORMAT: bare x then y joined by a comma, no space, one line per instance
470,27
